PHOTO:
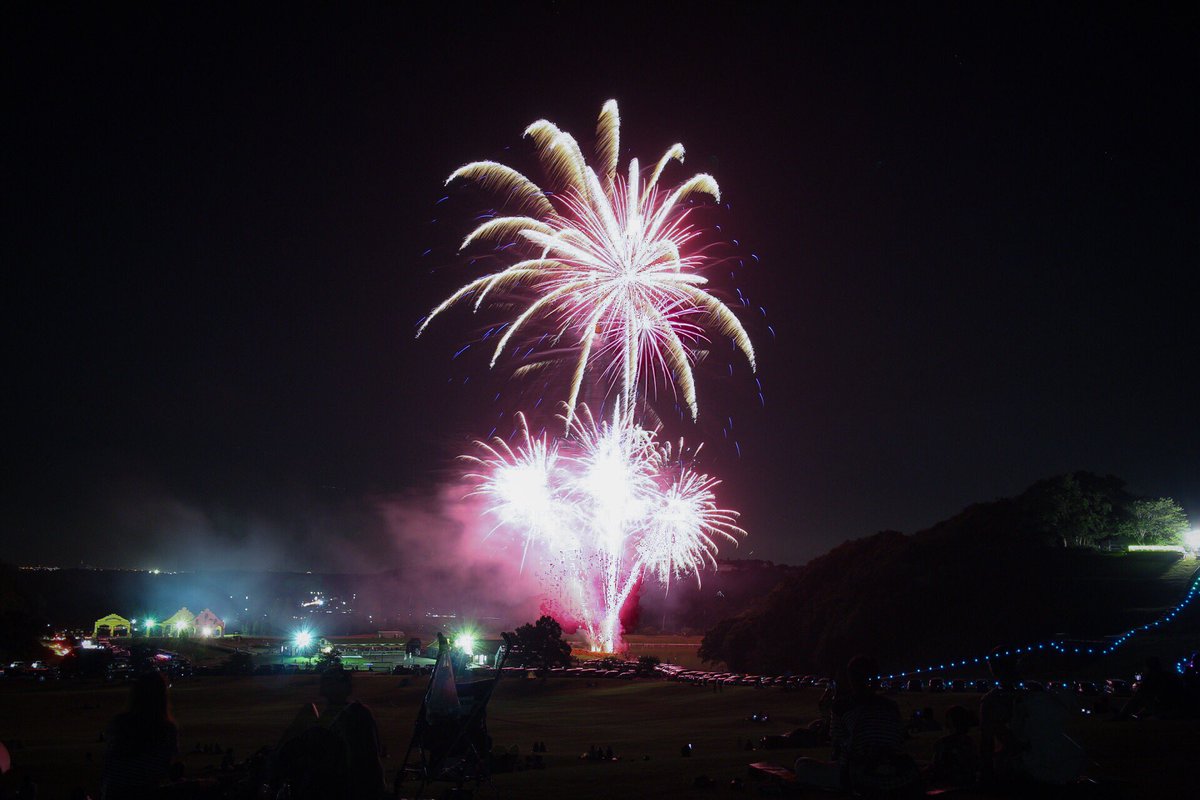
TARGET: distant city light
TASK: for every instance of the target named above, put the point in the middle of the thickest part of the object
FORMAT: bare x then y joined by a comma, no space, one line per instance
303,639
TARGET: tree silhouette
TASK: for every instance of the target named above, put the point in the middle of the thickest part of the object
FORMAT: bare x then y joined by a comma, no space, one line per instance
540,645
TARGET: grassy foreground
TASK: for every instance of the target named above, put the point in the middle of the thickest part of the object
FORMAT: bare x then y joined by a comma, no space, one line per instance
645,722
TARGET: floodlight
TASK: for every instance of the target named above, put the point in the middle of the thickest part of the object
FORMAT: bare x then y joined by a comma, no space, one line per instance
465,641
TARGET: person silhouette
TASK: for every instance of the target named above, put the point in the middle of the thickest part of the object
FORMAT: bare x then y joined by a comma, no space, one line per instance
355,725
331,752
1023,733
140,743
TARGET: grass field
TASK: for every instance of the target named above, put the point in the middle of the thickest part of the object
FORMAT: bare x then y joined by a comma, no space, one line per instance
645,722
57,726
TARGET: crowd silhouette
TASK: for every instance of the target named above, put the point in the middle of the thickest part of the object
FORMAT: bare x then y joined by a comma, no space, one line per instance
332,748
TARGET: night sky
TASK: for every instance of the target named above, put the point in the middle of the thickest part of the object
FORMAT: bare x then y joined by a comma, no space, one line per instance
977,236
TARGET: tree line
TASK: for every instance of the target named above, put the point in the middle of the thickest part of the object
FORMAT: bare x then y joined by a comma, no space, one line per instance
1082,509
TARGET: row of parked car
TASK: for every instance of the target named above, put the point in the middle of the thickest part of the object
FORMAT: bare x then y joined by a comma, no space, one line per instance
29,670
120,668
676,673
1113,686
96,664
626,671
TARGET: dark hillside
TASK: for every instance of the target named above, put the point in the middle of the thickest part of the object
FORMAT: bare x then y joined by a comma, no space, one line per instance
988,576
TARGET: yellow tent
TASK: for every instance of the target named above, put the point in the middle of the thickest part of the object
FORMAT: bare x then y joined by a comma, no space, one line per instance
112,625
181,623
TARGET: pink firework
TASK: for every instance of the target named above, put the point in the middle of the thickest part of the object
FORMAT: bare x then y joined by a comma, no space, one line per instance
599,510
604,267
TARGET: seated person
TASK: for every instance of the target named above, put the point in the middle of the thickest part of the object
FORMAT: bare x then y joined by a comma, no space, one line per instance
354,724
1023,733
956,759
815,734
333,752
141,743
866,730
1160,693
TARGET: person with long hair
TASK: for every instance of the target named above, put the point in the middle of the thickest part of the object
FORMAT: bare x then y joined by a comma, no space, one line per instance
141,743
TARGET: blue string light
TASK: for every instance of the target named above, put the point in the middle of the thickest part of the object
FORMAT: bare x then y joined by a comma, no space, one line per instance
1060,647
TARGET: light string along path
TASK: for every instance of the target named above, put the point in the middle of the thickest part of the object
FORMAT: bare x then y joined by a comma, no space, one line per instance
1059,646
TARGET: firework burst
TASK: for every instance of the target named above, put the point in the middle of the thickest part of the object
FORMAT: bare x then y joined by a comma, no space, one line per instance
601,508
608,263
605,259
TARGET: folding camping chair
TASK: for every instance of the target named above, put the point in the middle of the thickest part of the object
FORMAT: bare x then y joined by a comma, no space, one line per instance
450,740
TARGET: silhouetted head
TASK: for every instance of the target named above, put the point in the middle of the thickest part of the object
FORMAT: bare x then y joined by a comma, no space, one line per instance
859,671
959,719
1003,665
148,697
335,685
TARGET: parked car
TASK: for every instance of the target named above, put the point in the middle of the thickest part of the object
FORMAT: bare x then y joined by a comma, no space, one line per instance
43,674
119,670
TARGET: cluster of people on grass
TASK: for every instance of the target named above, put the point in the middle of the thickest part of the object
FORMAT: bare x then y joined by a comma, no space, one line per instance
328,751
334,750
1022,733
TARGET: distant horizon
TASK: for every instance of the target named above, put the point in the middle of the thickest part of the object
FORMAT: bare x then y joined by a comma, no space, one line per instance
727,555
